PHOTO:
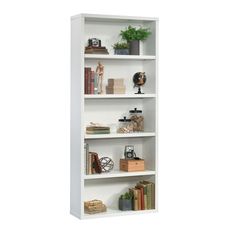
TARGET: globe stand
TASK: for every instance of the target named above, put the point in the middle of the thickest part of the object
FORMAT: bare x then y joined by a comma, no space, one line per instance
139,91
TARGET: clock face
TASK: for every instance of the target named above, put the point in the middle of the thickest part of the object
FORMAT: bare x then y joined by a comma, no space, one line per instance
129,155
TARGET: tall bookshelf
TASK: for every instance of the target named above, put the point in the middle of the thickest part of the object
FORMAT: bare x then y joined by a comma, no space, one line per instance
108,108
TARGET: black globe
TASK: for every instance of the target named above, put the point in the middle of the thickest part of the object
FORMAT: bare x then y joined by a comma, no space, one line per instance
139,79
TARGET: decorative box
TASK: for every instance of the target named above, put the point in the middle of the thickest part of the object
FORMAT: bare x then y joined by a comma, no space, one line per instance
132,165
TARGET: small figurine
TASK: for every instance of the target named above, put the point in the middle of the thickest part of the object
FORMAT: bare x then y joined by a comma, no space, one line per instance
100,72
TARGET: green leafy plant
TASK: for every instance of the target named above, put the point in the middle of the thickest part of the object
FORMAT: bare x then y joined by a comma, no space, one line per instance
127,196
120,45
132,33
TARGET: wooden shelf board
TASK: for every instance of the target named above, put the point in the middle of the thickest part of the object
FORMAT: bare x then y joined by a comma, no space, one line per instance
118,173
117,135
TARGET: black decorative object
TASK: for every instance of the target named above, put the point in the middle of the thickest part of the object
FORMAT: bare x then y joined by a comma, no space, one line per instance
134,47
139,79
107,164
94,42
129,152
95,47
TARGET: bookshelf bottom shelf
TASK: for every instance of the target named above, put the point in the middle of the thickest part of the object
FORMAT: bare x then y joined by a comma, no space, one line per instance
115,212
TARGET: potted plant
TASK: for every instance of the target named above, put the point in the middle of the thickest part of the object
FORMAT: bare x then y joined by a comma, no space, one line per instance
133,36
126,202
121,48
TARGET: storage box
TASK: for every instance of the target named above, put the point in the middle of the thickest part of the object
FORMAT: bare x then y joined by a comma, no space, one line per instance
132,165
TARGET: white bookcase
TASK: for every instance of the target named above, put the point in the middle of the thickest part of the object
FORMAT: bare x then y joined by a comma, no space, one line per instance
108,108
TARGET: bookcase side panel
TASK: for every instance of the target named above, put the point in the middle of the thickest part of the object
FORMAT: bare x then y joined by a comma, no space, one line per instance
77,107
156,126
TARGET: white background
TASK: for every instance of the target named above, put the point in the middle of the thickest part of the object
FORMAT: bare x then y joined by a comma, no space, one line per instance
197,118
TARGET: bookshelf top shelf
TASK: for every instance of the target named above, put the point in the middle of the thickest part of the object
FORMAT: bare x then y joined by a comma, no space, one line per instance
114,18
119,57
118,135
118,173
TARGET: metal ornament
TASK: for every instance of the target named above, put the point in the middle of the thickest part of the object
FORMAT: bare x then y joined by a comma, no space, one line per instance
107,164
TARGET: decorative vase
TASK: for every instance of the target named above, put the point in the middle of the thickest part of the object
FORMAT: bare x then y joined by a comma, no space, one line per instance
125,204
134,47
123,51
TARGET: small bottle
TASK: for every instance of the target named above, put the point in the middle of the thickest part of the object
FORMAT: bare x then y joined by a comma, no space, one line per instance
125,126
137,120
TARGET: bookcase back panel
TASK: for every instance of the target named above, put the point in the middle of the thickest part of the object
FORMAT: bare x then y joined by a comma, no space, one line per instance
108,33
126,70
114,148
109,111
109,190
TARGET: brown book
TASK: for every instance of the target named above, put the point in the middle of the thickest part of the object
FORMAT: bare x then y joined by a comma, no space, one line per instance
89,80
86,79
92,83
144,187
95,50
139,199
142,196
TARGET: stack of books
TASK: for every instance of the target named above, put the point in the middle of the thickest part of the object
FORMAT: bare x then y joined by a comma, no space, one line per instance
97,129
95,50
115,86
143,196
91,162
94,206
90,81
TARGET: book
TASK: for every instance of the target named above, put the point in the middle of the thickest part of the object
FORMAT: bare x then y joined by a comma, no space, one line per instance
86,149
86,69
141,188
139,198
144,187
95,50
134,192
94,202
94,206
153,196
150,194
92,83
90,163
95,83
112,90
97,130
89,80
